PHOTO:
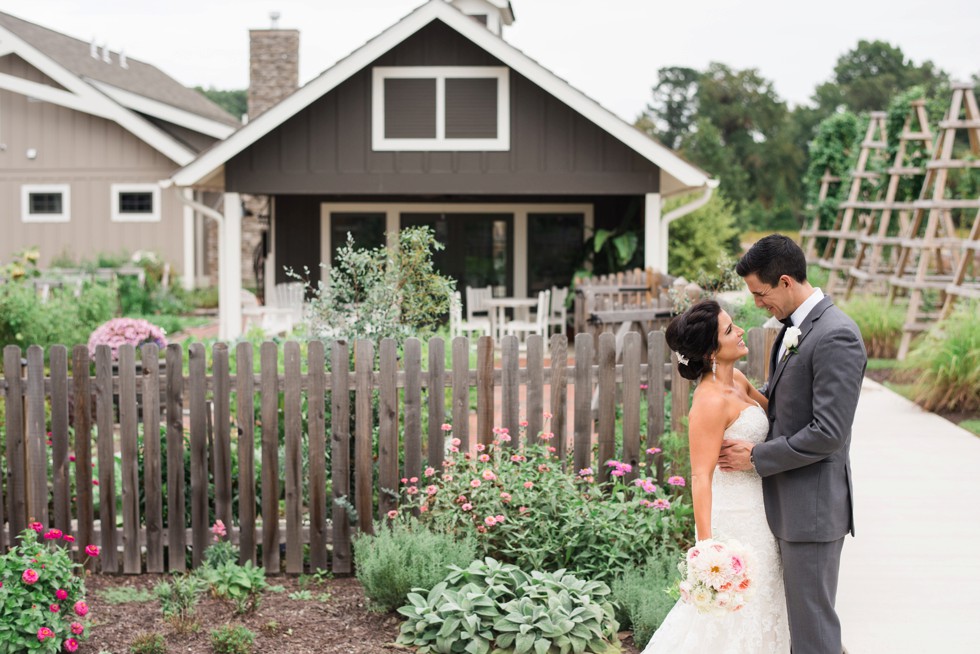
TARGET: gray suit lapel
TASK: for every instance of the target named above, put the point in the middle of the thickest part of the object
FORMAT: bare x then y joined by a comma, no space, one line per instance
805,329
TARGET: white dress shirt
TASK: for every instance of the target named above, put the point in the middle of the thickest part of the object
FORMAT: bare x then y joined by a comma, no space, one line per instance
801,313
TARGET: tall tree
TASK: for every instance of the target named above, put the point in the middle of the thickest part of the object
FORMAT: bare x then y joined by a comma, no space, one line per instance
867,77
670,115
234,102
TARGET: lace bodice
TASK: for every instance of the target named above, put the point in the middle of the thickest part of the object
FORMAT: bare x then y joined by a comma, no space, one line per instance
737,512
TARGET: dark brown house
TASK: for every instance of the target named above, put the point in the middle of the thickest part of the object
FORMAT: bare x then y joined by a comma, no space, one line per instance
439,121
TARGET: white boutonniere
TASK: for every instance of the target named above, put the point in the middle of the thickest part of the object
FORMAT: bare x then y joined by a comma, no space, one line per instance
791,340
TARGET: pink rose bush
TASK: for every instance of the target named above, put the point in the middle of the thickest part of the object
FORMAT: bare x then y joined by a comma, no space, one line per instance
523,504
122,331
42,599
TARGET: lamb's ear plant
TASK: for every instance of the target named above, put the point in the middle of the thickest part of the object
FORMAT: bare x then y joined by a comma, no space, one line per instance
492,607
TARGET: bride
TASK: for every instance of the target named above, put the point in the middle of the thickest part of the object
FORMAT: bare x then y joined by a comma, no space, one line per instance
727,505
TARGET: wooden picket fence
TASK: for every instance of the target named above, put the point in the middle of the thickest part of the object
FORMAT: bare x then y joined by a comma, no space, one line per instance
194,411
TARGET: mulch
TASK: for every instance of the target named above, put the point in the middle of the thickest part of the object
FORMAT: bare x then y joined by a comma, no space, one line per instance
340,625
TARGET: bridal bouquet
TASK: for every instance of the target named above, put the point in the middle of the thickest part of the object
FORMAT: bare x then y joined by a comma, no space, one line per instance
716,576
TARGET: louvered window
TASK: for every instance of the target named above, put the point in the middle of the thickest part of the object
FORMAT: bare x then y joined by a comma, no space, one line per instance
441,108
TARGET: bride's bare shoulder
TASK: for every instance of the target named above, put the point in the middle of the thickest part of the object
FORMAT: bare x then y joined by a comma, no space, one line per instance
708,401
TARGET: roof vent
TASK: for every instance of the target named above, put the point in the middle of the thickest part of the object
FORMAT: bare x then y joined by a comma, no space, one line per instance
274,20
106,55
493,14
93,49
122,59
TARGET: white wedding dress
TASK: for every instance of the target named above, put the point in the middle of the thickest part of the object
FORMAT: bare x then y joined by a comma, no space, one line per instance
737,512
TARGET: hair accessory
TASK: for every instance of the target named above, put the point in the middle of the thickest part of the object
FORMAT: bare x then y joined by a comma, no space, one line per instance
681,358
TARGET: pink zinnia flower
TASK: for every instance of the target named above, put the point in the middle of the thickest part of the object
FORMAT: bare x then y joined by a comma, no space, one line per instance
547,415
500,518
523,423
543,468
446,427
505,437
424,508
92,550
522,510
54,608
77,628
456,442
529,484
29,576
676,480
81,608
547,435
95,482
37,526
476,483
480,447
467,507
71,457
481,529
44,632
584,472
412,490
488,475
429,471
661,504
404,480
414,480
392,514
71,645
68,539
483,458
517,458
431,489
654,450
618,472
61,594
505,497
490,521
447,477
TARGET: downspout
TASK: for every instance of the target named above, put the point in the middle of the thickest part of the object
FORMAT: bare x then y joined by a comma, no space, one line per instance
680,212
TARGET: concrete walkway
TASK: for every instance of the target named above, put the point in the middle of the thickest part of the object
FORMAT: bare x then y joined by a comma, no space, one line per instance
910,580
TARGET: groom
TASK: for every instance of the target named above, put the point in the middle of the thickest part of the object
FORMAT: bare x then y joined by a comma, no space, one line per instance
816,370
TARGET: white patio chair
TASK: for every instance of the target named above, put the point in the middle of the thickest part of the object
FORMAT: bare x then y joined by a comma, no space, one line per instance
460,327
286,309
537,325
558,315
477,312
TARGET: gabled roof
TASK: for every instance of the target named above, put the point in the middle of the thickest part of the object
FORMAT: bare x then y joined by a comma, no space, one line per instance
677,175
109,89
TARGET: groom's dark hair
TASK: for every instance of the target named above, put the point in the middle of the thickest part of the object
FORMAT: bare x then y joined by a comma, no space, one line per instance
772,257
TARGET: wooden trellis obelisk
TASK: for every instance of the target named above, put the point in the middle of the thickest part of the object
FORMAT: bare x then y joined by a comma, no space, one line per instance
811,234
940,258
861,196
877,250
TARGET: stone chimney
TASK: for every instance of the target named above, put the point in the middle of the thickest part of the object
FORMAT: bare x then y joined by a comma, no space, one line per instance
273,66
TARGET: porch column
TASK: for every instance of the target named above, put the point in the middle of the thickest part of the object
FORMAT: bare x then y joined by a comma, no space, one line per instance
230,269
189,276
654,235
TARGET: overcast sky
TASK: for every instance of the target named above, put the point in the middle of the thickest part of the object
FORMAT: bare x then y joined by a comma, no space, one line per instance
609,49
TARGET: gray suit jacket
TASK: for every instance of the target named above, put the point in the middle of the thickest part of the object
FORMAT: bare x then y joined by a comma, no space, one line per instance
805,461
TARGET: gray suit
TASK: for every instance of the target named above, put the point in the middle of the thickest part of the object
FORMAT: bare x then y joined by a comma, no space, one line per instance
806,468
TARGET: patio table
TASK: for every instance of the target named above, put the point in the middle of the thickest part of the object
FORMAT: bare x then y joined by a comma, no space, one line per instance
498,312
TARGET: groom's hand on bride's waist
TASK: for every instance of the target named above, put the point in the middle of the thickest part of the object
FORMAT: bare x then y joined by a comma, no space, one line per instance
736,456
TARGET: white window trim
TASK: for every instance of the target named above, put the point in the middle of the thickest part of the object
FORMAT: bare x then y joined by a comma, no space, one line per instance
25,203
440,73
393,212
120,217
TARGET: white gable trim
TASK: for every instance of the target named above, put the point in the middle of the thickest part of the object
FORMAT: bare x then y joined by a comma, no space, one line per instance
669,162
97,103
164,111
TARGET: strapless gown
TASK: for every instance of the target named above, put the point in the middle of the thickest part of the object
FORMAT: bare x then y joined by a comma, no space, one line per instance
737,512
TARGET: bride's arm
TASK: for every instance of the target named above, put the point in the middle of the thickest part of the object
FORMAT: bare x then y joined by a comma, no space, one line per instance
706,430
751,390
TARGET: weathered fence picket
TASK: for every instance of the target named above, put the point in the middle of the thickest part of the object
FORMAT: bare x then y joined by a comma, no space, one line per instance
514,391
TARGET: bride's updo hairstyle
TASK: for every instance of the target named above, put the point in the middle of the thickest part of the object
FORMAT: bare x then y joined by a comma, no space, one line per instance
694,335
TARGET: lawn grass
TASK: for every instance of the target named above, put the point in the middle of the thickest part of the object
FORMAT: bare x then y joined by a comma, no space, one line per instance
882,364
972,425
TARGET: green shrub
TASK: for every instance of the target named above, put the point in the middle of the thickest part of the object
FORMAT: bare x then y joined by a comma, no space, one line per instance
42,599
232,640
522,507
405,555
948,361
242,584
63,319
148,643
880,324
497,605
698,241
642,595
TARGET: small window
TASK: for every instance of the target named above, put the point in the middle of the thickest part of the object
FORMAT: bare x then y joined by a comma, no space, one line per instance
441,108
45,203
135,202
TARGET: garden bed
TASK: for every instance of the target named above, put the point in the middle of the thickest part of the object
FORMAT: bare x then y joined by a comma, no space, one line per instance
341,624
